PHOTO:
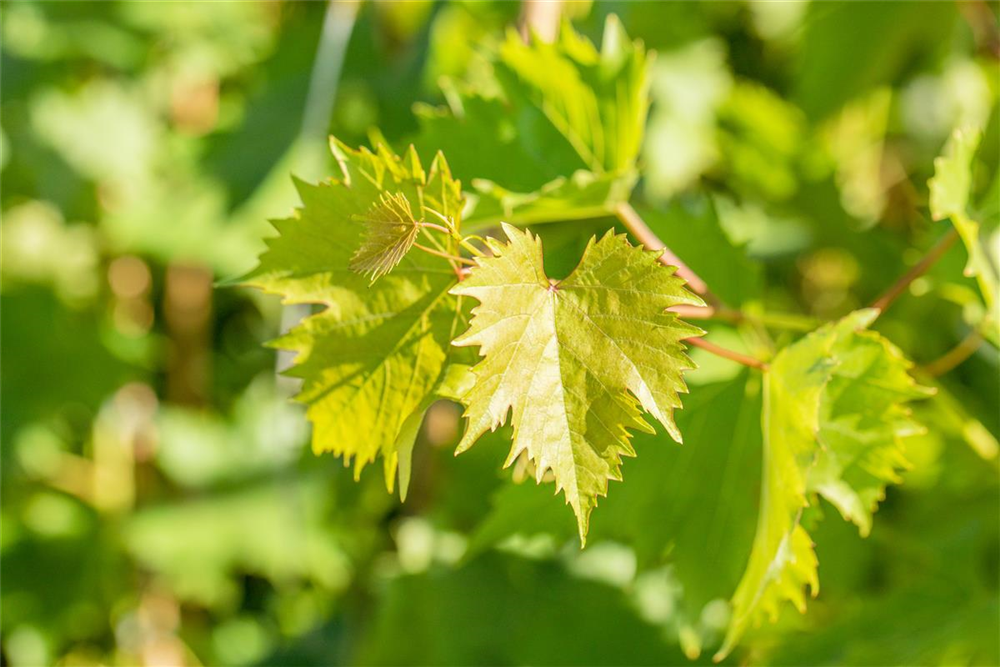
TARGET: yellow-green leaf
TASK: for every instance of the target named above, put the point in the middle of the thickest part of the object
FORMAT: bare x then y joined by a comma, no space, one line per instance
574,359
372,358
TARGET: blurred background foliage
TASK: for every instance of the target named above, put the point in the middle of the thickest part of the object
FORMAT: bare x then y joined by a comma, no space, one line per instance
159,502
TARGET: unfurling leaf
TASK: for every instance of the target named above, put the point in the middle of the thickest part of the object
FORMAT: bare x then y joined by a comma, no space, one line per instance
834,415
373,358
391,232
574,359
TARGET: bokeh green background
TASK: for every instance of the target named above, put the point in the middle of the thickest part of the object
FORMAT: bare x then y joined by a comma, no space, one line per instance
159,502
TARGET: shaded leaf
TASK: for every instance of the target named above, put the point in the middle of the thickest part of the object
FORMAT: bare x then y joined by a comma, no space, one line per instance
562,123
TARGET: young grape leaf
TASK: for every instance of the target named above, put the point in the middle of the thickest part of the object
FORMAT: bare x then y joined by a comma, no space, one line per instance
392,231
863,420
563,355
832,422
562,124
370,360
950,190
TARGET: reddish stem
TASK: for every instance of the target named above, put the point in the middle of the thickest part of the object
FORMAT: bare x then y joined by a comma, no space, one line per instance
918,269
727,354
641,231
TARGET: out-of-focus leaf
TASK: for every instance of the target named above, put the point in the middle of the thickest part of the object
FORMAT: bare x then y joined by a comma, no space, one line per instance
688,87
951,191
45,371
849,48
199,449
762,137
443,617
834,414
551,112
199,547
563,356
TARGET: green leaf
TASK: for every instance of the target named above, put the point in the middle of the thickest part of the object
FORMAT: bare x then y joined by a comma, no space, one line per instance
863,421
563,355
561,122
832,423
950,191
508,611
373,357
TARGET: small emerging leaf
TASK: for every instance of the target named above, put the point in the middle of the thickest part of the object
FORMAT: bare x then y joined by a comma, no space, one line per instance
391,231
574,359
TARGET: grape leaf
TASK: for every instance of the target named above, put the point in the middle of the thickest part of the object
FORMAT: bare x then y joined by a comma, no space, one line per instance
392,231
863,420
832,422
561,122
950,190
563,355
374,355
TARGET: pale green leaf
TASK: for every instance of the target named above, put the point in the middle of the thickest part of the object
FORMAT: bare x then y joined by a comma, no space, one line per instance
373,356
952,181
950,192
564,355
863,421
834,415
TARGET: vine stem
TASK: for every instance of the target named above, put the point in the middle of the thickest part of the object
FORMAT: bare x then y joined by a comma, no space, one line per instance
640,230
727,354
918,269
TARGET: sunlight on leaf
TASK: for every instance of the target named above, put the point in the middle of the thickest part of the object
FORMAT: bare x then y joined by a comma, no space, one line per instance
563,355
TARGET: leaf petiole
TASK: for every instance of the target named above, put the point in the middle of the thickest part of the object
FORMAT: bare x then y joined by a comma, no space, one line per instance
727,353
438,253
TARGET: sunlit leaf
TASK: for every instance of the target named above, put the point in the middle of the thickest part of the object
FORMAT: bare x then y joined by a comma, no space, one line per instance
374,355
563,355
